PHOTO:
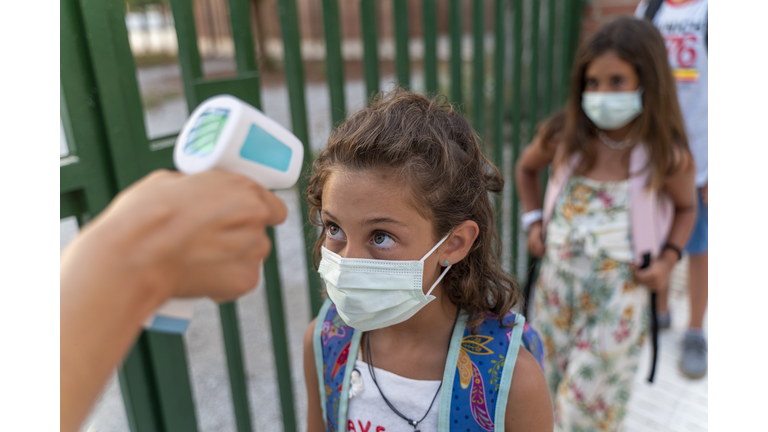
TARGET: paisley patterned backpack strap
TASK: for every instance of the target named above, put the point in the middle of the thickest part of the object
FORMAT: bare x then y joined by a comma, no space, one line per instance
532,342
482,375
334,344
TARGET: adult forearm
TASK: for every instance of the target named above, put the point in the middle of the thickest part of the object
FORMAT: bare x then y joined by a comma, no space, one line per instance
104,301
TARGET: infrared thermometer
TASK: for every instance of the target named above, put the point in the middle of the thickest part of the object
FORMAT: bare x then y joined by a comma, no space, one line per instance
226,133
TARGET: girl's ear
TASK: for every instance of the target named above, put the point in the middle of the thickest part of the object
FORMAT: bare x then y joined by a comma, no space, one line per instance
460,242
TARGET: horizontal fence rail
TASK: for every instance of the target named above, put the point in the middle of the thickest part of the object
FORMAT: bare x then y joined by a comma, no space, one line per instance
512,71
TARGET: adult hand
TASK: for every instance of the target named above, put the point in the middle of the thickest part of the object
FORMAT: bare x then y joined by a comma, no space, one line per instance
536,241
191,236
705,193
656,276
168,235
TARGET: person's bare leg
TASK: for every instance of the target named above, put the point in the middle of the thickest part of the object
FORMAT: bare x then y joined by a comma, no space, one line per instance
662,302
698,288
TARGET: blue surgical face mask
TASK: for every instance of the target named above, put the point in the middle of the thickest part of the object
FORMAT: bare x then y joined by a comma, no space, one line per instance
371,294
612,110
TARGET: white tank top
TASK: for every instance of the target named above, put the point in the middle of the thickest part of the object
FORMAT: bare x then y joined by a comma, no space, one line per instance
684,27
368,412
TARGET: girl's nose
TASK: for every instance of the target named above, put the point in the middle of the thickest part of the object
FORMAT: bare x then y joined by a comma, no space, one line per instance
354,251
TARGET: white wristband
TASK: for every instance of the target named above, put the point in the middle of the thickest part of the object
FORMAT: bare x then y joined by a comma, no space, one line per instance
530,217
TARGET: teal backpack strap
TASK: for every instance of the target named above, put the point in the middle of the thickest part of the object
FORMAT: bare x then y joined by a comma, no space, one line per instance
318,348
444,413
515,340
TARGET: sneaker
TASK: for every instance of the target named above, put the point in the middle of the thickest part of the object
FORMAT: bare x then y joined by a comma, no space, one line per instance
693,363
664,320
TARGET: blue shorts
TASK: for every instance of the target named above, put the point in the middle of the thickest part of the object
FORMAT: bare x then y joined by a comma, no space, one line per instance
699,241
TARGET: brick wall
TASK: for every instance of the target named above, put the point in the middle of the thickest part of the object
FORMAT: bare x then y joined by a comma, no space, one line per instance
598,12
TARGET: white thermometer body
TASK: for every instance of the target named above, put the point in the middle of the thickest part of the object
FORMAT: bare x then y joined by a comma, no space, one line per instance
226,133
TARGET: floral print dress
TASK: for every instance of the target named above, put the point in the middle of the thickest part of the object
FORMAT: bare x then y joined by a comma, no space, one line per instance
589,310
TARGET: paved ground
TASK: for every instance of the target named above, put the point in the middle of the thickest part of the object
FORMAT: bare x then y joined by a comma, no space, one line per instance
673,403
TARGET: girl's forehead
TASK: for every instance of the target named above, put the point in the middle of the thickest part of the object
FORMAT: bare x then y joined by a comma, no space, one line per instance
359,194
609,62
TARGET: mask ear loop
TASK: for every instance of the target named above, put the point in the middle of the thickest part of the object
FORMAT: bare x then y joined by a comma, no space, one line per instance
444,271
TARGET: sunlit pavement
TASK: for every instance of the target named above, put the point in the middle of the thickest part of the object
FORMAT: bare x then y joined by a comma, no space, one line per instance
673,402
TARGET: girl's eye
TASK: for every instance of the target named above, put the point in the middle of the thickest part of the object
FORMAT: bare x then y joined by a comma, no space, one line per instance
591,84
381,239
335,232
617,82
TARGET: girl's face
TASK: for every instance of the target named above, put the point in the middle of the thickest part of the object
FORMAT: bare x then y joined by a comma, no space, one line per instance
367,215
609,73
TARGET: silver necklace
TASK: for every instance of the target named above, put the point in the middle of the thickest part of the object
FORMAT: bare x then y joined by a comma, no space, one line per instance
616,145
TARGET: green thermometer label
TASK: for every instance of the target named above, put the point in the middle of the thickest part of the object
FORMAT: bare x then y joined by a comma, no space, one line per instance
206,130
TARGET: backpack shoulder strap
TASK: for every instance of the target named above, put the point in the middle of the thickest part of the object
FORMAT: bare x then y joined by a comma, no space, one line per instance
653,7
335,345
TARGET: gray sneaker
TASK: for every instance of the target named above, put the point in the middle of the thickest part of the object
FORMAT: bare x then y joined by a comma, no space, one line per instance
693,363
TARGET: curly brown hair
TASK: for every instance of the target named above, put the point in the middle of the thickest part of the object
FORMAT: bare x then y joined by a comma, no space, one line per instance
438,154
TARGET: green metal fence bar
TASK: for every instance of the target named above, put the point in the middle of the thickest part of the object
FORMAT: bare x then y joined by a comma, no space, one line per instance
479,67
139,389
245,58
455,30
548,57
79,108
517,62
498,105
240,17
402,38
430,46
566,36
334,61
235,366
174,390
294,73
533,88
189,56
370,46
279,337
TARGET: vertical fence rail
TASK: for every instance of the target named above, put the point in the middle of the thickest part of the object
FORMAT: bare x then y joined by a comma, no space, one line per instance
245,59
430,46
533,95
402,37
549,54
498,103
370,46
517,102
478,75
455,30
333,59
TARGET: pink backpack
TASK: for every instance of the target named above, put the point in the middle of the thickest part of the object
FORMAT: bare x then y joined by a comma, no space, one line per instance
650,212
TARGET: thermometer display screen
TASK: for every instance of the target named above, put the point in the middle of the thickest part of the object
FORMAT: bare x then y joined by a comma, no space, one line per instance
206,130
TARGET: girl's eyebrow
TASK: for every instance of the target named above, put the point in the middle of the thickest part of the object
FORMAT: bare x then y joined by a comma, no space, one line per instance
385,220
374,221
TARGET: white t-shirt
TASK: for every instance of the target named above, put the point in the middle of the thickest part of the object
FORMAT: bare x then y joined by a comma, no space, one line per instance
368,412
684,27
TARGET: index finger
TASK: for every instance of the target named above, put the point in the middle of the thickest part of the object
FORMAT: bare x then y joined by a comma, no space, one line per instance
277,209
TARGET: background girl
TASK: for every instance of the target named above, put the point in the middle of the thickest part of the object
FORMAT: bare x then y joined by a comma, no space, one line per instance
622,186
418,329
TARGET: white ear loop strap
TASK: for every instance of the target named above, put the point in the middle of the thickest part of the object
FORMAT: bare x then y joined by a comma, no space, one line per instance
446,269
439,279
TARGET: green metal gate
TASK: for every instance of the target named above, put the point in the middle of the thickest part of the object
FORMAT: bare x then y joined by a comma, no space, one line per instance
102,117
